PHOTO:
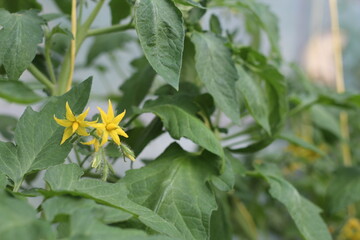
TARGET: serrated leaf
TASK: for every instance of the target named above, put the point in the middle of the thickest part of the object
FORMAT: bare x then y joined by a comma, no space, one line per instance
62,205
65,179
18,92
174,186
254,98
19,36
18,221
17,5
344,188
38,136
305,214
159,25
178,117
106,44
120,9
217,71
137,86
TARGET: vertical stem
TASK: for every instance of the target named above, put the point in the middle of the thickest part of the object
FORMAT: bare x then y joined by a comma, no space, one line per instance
17,185
73,45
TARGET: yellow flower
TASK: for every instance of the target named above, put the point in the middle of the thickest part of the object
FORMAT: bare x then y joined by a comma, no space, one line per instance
94,141
110,125
73,124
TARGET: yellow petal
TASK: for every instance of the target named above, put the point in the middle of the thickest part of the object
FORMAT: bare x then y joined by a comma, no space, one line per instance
121,132
96,145
110,113
75,126
69,114
63,122
82,131
119,117
115,137
67,133
104,138
88,124
82,116
89,142
103,115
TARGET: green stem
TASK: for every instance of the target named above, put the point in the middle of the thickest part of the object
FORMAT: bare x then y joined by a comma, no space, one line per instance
17,186
41,77
80,37
114,28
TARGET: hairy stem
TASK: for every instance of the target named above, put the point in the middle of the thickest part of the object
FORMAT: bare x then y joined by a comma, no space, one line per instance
41,77
112,29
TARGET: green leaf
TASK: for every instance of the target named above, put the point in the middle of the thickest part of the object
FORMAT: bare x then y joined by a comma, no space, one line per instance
298,141
18,221
178,117
38,136
64,5
17,5
305,214
194,3
3,181
84,225
215,25
324,120
18,92
344,188
159,25
221,224
120,9
64,179
226,181
19,36
107,44
217,71
137,86
62,205
175,186
254,98
188,70
7,126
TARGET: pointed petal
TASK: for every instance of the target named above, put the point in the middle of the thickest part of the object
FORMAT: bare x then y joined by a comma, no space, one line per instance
82,116
75,126
119,117
82,131
115,137
67,133
110,113
89,142
121,132
69,114
63,122
104,138
103,115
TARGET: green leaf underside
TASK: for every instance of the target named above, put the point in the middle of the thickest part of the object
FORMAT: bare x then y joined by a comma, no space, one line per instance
254,98
159,25
174,186
18,221
38,136
180,122
64,179
61,205
218,73
305,214
16,91
344,188
19,36
84,225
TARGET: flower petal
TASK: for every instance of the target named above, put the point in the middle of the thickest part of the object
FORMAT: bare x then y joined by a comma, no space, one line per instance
104,138
69,114
110,113
82,131
103,115
115,137
63,122
67,133
119,117
75,126
121,132
89,142
82,116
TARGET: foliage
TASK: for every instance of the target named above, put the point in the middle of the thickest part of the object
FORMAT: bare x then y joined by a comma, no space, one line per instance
265,144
